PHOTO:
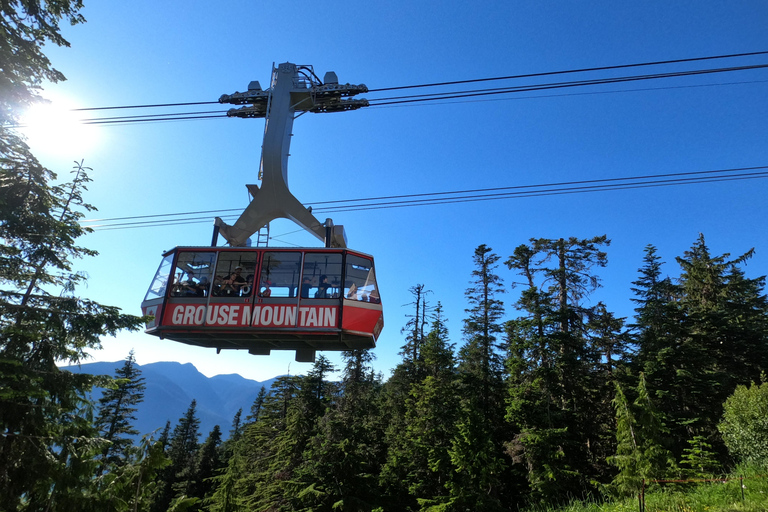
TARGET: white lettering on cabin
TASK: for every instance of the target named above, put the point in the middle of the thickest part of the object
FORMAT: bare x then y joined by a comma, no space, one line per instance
330,317
279,315
266,315
222,318
312,318
290,316
178,315
233,312
256,316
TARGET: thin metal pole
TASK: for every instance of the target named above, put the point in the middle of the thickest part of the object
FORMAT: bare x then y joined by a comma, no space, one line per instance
741,484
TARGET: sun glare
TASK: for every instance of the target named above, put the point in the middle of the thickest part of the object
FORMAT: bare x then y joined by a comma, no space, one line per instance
56,129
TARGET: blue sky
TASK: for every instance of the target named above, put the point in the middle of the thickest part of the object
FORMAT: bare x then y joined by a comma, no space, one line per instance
168,52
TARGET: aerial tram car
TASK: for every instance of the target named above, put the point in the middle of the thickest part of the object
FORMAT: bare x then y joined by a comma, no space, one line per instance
265,298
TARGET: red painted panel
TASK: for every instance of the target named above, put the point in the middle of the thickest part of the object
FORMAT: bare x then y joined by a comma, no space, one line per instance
362,319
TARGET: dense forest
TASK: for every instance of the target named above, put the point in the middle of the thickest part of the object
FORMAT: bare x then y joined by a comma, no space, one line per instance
550,399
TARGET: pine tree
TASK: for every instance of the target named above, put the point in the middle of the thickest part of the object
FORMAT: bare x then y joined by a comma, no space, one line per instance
418,462
44,413
177,478
414,328
207,464
342,461
183,448
117,407
480,359
256,406
710,338
476,447
559,385
640,456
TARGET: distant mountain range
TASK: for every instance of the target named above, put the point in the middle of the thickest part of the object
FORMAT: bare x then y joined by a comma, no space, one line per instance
170,389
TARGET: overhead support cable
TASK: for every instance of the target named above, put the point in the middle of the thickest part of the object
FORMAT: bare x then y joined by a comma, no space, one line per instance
568,71
462,196
557,85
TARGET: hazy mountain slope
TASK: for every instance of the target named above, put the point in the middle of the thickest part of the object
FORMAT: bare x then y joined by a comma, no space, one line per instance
171,387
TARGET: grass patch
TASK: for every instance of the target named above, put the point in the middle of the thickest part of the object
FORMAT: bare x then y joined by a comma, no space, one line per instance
690,497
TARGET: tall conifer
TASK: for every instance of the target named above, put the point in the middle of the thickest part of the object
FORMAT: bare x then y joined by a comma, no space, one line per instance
117,408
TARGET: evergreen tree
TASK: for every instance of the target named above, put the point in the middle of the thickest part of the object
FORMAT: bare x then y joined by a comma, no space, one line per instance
418,462
256,406
117,407
476,448
48,442
27,27
480,359
699,459
207,464
561,356
342,461
640,455
261,474
237,427
177,479
183,450
711,338
414,328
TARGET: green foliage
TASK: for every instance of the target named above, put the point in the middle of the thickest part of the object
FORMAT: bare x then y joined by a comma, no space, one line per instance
419,439
699,339
27,26
640,455
117,407
561,361
699,459
39,328
744,425
343,459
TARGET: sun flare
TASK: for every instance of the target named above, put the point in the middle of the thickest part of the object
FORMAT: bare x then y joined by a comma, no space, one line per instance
56,128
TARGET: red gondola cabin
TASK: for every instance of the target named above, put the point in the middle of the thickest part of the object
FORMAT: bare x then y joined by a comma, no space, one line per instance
263,299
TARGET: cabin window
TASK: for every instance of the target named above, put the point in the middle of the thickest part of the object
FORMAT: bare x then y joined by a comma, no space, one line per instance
192,275
235,272
160,282
322,276
360,280
280,272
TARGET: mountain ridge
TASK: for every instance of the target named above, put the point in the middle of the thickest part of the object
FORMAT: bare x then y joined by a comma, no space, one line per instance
170,389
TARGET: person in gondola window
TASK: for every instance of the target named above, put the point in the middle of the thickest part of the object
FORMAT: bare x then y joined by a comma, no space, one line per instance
190,286
306,284
322,288
233,283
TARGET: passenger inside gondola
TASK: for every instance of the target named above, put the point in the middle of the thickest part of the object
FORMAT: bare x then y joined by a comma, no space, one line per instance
246,290
322,288
233,283
306,284
189,287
